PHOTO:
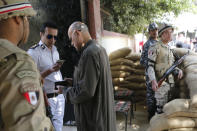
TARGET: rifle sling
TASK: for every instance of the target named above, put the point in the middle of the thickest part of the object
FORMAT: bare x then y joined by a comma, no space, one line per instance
175,55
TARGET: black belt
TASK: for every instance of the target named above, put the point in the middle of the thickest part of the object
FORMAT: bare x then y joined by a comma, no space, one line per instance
50,95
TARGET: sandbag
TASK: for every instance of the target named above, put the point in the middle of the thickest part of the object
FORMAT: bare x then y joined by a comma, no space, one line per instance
190,72
160,122
117,81
135,78
184,91
122,61
133,56
137,65
134,86
121,74
137,71
184,129
191,81
121,68
117,88
190,60
182,51
120,53
179,108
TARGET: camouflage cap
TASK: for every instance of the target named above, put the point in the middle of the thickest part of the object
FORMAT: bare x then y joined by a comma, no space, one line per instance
152,26
164,27
10,8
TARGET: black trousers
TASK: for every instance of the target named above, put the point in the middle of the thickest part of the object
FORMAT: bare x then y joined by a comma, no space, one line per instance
69,112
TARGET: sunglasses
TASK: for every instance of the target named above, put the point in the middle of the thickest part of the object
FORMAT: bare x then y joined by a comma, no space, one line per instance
51,36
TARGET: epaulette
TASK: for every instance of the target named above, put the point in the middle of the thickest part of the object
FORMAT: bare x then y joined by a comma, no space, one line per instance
43,46
34,46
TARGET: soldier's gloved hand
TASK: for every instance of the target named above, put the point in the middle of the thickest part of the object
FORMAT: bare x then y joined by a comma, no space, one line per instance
180,75
154,85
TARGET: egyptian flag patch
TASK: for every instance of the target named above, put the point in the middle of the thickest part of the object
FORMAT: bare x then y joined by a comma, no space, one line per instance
31,97
150,52
31,93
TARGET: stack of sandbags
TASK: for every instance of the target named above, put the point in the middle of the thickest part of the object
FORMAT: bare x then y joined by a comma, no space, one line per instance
189,67
127,73
181,114
178,115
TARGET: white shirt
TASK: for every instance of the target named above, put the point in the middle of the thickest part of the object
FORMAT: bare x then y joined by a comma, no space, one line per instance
45,59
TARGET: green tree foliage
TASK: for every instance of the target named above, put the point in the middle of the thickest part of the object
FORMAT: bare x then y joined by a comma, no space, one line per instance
133,16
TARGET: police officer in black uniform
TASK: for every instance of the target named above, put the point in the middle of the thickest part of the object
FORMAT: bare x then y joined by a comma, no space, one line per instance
151,102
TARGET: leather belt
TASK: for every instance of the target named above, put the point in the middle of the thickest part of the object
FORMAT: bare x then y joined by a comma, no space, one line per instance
50,95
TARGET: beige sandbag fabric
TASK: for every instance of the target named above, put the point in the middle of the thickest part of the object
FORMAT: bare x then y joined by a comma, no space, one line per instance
184,129
137,65
193,89
134,86
121,68
160,122
135,78
182,51
190,76
190,60
138,71
118,81
184,91
191,81
120,53
119,88
179,108
120,74
122,61
133,56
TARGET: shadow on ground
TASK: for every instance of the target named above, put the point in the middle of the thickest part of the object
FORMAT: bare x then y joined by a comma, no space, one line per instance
139,123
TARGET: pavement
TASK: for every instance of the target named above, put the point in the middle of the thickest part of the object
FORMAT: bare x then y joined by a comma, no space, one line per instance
139,123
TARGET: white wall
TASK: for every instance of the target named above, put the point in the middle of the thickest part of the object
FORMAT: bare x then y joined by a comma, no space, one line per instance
112,43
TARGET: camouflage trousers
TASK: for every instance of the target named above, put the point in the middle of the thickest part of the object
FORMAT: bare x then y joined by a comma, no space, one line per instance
150,99
162,96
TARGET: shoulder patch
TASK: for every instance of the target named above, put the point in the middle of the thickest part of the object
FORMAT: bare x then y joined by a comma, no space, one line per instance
29,87
34,46
43,46
30,92
26,73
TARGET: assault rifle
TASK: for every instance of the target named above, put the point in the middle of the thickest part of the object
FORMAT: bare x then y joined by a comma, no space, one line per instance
171,69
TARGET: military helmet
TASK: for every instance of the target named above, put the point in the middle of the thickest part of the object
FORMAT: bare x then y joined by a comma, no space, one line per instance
10,8
164,27
152,26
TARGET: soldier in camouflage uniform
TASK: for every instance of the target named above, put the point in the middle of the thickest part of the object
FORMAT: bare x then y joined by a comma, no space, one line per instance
150,99
21,96
160,58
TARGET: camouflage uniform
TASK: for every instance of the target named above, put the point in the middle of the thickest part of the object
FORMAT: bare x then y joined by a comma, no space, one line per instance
150,99
21,96
160,59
